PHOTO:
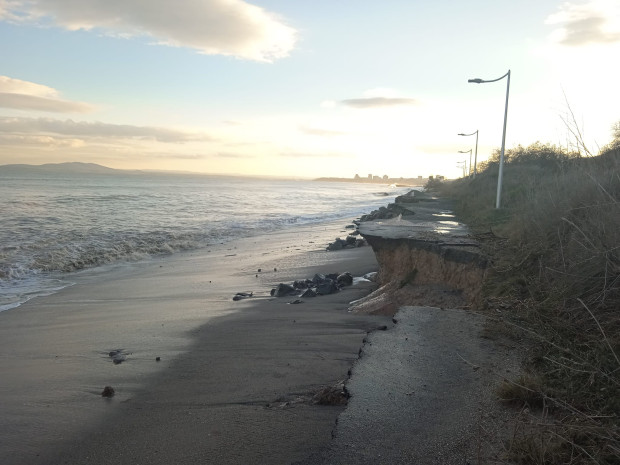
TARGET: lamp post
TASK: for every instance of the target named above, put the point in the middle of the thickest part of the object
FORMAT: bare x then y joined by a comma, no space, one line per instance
467,151
463,165
476,153
501,158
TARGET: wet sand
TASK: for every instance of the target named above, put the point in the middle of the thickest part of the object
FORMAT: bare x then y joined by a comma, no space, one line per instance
235,378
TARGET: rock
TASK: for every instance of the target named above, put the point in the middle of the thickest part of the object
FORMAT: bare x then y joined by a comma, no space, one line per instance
296,301
308,293
317,278
336,245
158,359
118,356
332,395
327,287
242,295
345,279
108,391
359,242
350,240
283,290
409,197
349,226
300,284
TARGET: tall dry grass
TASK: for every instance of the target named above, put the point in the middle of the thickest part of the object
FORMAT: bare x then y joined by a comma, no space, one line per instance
555,248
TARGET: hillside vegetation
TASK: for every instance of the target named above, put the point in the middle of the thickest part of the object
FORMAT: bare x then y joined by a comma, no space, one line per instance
554,285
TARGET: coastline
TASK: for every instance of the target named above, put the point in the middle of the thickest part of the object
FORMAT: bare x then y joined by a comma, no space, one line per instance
56,349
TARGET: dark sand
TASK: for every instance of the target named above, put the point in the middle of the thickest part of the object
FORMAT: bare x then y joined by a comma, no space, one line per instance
235,380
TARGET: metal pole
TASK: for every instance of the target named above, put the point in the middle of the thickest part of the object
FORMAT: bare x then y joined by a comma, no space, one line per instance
476,156
501,158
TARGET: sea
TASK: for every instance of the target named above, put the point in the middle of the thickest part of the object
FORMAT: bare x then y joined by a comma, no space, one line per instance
55,225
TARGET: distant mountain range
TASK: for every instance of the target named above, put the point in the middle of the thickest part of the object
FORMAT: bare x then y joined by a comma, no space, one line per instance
57,168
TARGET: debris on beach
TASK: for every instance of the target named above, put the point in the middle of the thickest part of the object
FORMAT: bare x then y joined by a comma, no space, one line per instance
332,395
350,242
320,284
242,295
108,391
118,356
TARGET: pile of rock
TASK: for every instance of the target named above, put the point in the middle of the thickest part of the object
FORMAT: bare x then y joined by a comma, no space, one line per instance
350,242
320,284
401,206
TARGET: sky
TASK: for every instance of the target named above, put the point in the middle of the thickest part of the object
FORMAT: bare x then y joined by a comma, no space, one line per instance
302,88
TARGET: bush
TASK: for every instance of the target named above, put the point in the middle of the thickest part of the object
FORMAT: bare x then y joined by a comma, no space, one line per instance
555,245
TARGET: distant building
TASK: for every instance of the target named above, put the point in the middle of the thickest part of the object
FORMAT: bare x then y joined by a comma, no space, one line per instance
370,177
385,177
356,177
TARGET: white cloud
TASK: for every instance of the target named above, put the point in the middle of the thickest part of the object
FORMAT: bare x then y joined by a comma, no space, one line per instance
214,27
320,132
96,130
594,22
25,95
376,102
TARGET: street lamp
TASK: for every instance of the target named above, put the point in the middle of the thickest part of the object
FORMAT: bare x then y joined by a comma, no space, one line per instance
463,166
467,151
501,158
476,154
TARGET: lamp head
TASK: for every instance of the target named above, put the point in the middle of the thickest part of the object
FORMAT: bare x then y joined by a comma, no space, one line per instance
477,80
461,134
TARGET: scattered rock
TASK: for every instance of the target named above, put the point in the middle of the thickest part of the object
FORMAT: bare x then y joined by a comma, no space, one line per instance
158,359
349,226
118,356
296,301
242,295
108,391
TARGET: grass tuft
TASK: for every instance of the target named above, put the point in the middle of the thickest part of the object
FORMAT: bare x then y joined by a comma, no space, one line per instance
555,252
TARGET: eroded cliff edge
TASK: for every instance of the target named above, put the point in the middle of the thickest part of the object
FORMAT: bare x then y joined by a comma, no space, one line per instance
425,256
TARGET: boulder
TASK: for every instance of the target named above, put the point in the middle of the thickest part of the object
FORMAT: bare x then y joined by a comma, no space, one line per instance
308,293
283,290
327,287
345,279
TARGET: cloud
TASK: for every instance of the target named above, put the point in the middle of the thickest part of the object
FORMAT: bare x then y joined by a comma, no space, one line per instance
24,95
595,22
377,102
232,155
80,129
320,132
213,27
294,154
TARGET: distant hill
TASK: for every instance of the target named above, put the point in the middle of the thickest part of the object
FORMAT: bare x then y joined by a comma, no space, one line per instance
57,168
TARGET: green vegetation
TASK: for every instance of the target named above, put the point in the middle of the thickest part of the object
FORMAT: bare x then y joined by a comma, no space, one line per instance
555,279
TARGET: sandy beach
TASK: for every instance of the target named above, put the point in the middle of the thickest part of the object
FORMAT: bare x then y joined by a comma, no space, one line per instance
235,379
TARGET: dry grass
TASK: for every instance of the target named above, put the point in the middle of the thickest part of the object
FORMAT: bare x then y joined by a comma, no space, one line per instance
555,249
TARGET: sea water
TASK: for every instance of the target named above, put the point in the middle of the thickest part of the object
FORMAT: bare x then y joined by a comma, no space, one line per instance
54,225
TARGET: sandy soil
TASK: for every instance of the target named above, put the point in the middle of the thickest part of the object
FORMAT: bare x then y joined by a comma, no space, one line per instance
226,372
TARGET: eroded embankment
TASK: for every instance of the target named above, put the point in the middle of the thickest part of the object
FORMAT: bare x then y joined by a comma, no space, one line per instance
424,272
